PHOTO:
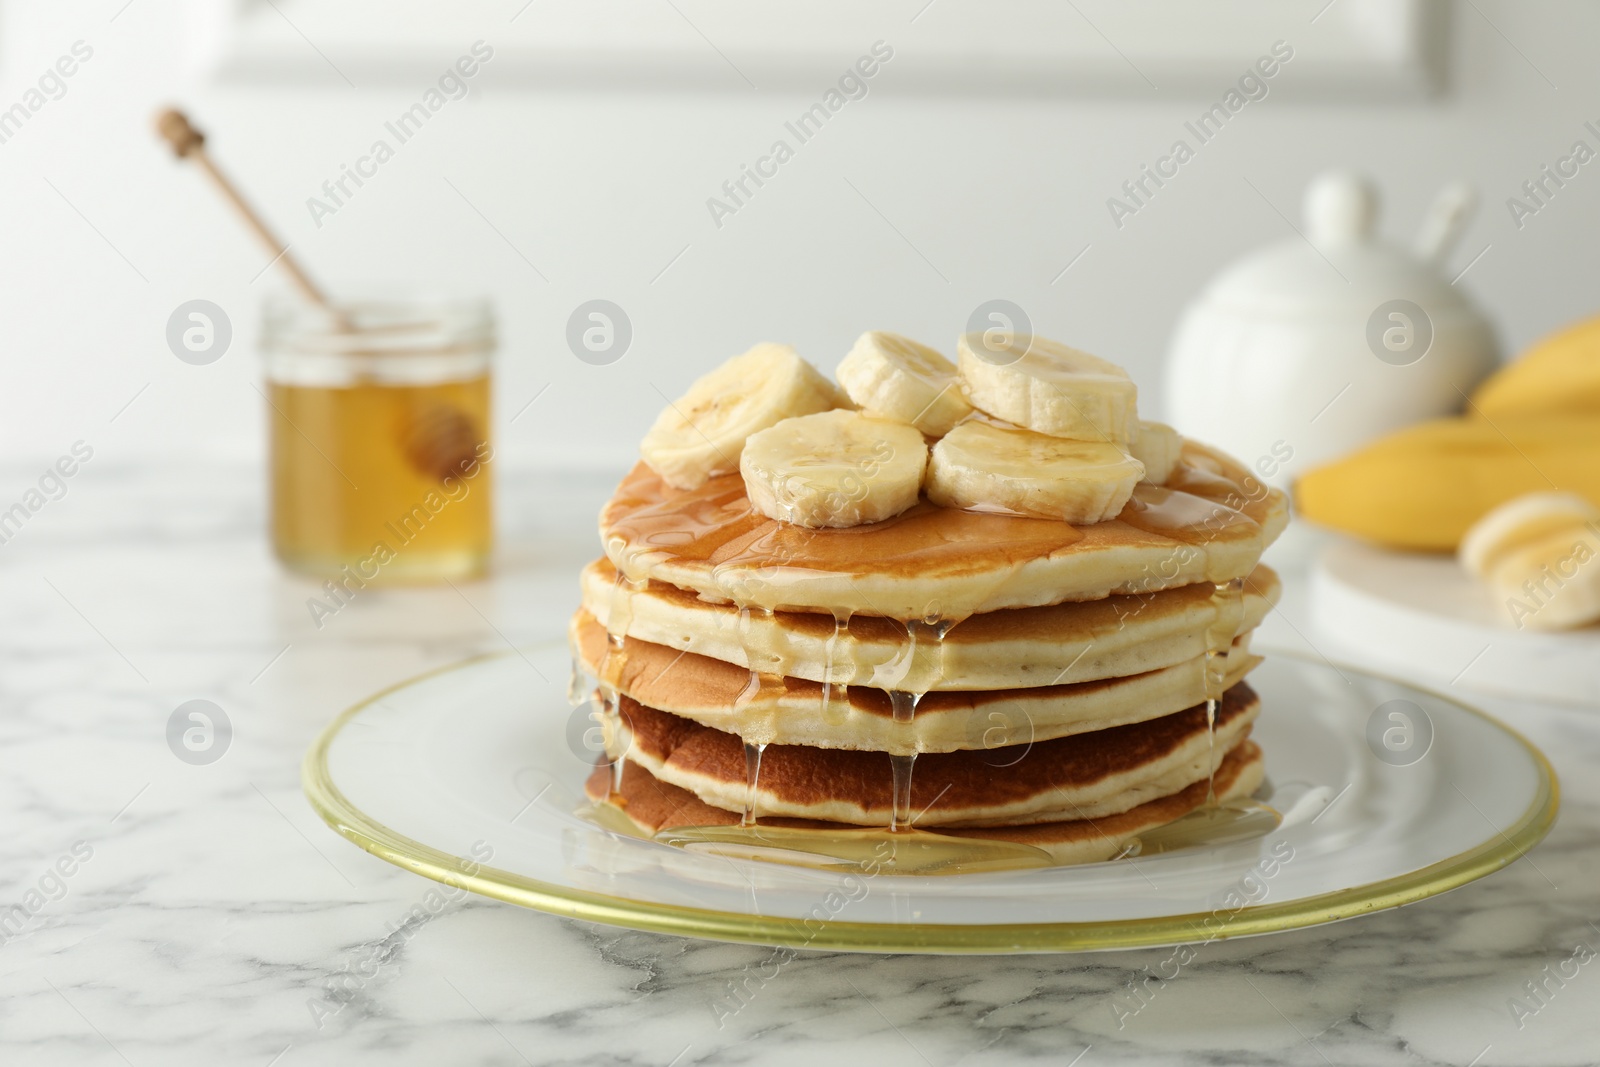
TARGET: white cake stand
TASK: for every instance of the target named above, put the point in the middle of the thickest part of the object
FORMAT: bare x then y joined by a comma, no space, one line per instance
1421,615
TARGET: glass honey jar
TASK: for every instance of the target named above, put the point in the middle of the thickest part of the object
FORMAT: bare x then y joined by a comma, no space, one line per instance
380,453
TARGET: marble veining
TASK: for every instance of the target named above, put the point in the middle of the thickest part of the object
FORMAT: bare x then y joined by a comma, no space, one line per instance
210,918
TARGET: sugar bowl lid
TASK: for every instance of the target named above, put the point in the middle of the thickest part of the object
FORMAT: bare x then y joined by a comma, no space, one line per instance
1338,263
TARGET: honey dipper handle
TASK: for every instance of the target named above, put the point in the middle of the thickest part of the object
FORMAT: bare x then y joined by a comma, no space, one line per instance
189,143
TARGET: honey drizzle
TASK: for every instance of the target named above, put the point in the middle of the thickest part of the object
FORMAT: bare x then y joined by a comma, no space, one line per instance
924,637
611,731
903,705
1227,603
1213,825
901,767
752,777
750,553
863,849
841,625
755,735
619,617
1185,517
914,851
741,704
577,691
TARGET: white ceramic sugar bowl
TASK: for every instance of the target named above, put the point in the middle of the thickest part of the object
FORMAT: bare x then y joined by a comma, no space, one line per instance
1303,351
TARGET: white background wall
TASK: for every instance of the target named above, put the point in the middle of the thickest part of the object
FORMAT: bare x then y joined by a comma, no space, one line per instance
600,192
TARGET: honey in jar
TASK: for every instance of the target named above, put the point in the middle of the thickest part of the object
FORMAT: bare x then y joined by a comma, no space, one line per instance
379,439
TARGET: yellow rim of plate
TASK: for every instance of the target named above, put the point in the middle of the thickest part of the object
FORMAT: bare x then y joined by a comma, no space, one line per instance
1499,851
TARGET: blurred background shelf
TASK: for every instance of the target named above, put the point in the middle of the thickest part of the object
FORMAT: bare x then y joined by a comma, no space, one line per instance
1375,49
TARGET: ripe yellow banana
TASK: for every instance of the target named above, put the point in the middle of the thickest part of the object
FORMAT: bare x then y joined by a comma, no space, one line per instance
1423,487
833,469
1559,374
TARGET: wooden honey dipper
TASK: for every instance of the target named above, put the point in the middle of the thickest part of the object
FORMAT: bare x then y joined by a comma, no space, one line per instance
438,439
189,143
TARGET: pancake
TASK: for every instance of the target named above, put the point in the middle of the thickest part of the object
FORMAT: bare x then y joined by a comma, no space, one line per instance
1017,648
652,805
718,694
1209,524
1090,775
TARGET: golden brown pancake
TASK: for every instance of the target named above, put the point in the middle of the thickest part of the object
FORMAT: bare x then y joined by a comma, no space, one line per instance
1209,524
1008,649
652,805
1085,776
791,711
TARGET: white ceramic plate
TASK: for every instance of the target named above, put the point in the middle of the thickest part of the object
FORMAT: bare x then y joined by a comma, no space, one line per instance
471,775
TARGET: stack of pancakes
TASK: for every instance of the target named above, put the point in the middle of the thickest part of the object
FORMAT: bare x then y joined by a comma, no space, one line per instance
976,675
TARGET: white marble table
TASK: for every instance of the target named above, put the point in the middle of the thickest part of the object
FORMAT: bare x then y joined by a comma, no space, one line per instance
210,918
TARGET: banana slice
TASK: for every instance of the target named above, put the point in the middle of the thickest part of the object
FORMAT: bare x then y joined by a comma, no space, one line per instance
898,378
1540,557
835,468
1516,522
1050,388
1156,445
986,467
702,434
1552,583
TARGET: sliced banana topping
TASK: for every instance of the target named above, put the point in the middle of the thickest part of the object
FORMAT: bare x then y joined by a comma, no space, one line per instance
987,467
1521,521
1540,557
1047,387
1156,445
703,433
833,469
898,378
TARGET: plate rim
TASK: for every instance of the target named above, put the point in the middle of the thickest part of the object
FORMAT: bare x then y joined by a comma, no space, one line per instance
350,822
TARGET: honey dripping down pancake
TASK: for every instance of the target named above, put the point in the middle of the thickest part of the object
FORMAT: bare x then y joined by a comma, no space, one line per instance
643,805
787,636
800,711
1086,775
1011,648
